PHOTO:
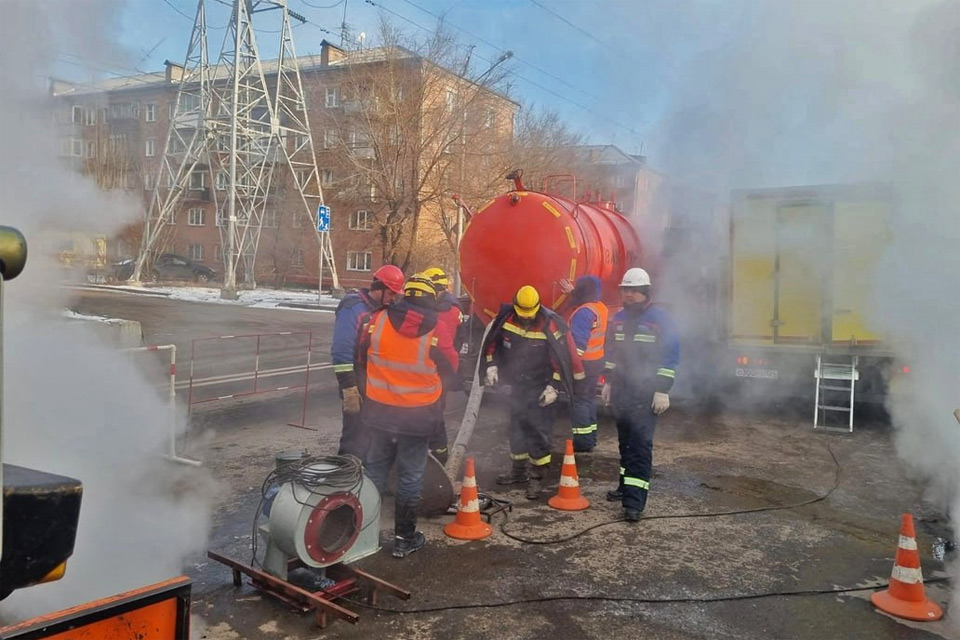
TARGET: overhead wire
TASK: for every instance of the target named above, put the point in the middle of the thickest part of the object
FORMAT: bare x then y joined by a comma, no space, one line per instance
494,46
571,24
559,96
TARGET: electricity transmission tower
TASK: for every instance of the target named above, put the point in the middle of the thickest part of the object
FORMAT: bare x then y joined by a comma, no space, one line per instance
232,131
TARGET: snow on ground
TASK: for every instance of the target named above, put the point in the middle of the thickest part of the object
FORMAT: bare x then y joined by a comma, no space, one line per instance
260,298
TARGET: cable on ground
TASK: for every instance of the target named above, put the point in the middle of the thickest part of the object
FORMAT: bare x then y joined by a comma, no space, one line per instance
717,514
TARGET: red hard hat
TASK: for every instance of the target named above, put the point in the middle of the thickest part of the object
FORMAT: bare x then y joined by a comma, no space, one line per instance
390,276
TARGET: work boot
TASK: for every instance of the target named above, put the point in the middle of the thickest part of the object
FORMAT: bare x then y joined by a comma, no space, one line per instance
516,475
632,515
407,539
616,495
441,455
535,483
402,547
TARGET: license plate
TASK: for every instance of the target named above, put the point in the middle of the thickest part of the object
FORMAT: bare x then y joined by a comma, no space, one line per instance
750,372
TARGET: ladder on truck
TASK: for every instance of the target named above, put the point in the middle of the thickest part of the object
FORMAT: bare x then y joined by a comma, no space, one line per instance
836,388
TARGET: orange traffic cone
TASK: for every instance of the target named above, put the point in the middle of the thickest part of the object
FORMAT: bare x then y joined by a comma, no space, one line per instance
568,496
468,525
906,598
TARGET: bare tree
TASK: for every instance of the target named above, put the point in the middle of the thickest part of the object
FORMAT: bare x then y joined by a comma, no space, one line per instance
417,119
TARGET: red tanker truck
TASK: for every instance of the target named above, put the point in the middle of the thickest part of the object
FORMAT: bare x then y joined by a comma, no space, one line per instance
530,237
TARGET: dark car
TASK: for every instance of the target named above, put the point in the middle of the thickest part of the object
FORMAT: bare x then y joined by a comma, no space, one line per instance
168,266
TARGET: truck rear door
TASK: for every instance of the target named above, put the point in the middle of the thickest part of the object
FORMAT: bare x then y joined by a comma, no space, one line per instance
803,255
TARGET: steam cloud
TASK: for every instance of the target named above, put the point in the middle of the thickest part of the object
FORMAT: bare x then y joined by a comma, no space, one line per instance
73,405
793,93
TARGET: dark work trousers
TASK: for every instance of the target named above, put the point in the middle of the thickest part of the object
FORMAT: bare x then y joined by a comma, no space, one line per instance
583,408
438,440
410,454
635,426
355,437
531,426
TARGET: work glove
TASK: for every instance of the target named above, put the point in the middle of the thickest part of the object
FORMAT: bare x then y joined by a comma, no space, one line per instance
492,377
661,402
605,393
351,400
548,397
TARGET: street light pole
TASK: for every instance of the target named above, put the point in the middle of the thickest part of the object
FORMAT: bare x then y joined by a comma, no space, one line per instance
457,284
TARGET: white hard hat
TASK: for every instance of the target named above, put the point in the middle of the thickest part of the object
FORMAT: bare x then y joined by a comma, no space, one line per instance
635,277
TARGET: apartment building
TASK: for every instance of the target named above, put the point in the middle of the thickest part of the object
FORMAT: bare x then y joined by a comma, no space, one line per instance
391,134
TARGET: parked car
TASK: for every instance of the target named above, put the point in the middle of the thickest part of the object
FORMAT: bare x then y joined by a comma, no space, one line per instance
167,266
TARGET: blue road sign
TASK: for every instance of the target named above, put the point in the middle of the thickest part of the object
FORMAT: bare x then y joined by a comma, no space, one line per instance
323,218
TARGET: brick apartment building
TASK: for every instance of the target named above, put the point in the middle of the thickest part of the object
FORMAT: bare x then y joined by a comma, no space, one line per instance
391,134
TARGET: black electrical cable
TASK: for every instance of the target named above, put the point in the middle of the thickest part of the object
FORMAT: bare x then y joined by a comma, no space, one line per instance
716,514
630,599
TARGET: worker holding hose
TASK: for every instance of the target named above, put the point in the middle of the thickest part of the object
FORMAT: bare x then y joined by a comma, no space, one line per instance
530,348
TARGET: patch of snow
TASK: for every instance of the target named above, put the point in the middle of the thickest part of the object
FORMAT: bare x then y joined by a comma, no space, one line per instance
258,298
73,315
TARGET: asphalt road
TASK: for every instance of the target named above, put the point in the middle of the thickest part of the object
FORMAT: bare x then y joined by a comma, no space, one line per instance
223,346
830,510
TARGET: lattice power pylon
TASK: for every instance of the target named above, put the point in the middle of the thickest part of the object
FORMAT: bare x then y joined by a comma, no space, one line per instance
242,133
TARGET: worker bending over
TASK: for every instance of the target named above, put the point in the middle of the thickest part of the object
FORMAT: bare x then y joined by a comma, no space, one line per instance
529,347
642,352
403,353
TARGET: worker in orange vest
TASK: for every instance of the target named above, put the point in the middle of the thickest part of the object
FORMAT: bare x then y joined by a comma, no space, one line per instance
404,353
588,326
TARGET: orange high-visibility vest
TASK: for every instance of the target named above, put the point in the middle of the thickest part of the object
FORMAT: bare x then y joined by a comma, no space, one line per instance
400,371
598,332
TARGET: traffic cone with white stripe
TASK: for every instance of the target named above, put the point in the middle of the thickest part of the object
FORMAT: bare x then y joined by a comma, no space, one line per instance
568,496
468,525
906,597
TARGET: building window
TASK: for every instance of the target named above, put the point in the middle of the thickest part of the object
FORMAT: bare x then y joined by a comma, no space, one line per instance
361,220
450,99
270,219
188,102
300,140
490,119
195,252
329,138
326,177
150,112
359,260
221,218
172,217
149,181
302,176
150,147
90,149
619,181
123,111
217,252
171,110
77,114
71,147
198,180
297,220
223,181
89,117
296,258
195,217
332,98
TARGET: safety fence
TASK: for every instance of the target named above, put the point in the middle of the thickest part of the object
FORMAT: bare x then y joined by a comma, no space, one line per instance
171,398
236,366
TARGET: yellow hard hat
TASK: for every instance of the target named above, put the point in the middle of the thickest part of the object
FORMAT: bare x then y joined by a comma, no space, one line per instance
437,276
527,302
419,286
